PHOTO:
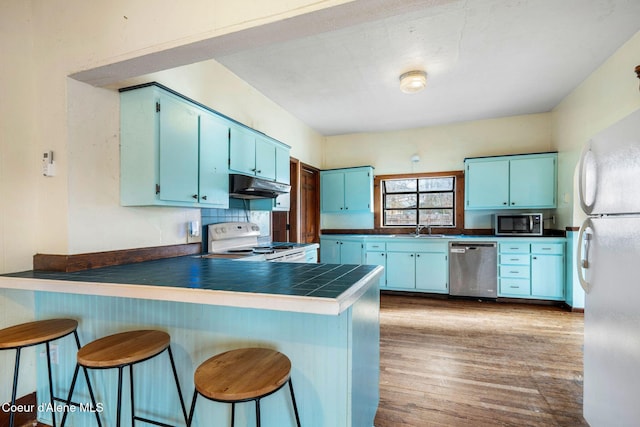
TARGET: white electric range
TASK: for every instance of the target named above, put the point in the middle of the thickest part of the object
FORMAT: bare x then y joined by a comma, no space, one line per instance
240,240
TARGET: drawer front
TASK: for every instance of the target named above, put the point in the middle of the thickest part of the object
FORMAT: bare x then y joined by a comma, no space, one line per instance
514,287
515,259
514,271
514,248
375,246
548,248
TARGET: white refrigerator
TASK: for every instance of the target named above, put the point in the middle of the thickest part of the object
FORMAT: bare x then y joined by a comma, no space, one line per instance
608,263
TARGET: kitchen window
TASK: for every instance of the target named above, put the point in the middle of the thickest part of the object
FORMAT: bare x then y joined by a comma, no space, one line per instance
429,200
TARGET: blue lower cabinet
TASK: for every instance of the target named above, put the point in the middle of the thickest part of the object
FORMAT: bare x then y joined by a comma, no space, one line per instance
378,258
547,276
529,269
418,266
341,251
401,270
432,272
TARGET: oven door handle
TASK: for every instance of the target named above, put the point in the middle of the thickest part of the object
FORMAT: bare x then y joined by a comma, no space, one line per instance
297,257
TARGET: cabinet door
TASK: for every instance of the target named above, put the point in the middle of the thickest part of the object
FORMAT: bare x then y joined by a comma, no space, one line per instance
242,151
178,150
432,272
547,276
350,253
357,190
487,184
378,258
265,159
214,154
401,270
332,192
330,251
282,165
533,182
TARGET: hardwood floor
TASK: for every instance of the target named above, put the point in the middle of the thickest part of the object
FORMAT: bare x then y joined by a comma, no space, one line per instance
469,363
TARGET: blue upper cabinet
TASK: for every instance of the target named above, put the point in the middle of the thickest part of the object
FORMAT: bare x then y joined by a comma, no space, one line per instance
252,153
242,150
346,190
178,150
172,151
511,182
213,172
487,184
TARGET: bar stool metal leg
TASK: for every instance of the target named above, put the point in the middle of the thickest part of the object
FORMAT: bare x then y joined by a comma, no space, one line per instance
293,399
51,398
119,407
258,412
175,377
15,386
133,413
91,395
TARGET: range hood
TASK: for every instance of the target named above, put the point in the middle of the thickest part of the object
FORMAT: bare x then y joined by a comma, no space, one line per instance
250,187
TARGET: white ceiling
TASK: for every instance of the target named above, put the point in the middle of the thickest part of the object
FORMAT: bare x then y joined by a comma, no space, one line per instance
338,71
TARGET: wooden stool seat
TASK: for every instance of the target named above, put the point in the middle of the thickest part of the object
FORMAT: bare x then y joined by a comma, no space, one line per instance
123,349
120,351
243,374
33,333
37,332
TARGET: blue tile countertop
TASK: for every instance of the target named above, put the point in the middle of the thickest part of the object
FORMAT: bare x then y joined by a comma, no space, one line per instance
312,288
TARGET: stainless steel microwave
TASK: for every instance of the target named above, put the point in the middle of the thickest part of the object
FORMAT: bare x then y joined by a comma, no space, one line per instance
526,224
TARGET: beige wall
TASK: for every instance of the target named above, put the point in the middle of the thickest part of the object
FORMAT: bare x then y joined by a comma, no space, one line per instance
606,96
19,175
441,148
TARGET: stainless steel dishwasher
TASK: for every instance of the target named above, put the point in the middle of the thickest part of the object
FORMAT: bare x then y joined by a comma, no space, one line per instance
473,269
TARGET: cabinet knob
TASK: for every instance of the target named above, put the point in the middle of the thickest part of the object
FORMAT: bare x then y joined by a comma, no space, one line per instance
204,197
346,207
195,196
411,255
258,171
504,203
513,203
535,257
417,255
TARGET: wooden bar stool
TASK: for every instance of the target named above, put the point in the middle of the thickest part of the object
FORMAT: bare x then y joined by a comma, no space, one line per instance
243,375
39,332
122,350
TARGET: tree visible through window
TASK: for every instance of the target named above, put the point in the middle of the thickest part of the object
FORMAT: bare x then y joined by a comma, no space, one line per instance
425,201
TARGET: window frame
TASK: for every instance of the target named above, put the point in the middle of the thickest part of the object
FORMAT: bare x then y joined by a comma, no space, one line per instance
458,202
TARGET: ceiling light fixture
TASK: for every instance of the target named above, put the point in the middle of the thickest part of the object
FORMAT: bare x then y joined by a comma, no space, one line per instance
413,81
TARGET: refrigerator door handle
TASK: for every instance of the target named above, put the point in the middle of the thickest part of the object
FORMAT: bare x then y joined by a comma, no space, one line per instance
587,179
582,262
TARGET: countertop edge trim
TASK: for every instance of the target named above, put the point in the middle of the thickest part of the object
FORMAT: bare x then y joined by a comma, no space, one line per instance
290,303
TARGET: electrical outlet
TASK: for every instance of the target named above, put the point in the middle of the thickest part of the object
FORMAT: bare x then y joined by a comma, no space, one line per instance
53,353
193,232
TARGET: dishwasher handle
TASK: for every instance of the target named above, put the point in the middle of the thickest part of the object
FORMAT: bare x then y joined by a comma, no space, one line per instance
472,246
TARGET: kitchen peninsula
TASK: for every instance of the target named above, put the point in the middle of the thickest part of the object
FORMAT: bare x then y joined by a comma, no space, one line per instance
323,317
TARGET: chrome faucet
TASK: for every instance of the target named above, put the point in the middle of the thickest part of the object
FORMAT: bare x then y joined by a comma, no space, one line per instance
419,227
